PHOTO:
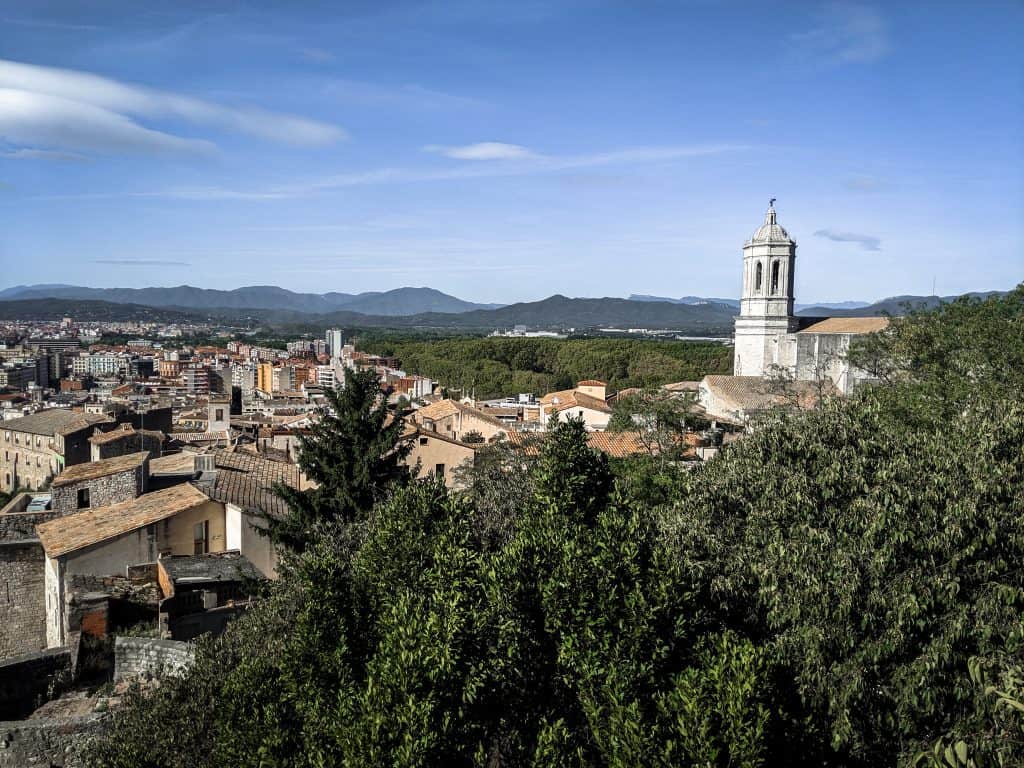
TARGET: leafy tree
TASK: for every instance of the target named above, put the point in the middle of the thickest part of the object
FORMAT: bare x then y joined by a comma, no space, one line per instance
352,456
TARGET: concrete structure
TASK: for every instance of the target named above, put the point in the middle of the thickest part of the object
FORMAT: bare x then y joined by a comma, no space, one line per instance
335,341
436,453
39,446
770,340
127,439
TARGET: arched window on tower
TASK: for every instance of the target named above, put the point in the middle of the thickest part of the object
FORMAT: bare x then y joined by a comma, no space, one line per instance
757,277
775,278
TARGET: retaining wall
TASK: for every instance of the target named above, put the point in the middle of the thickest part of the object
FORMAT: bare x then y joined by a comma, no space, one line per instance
149,657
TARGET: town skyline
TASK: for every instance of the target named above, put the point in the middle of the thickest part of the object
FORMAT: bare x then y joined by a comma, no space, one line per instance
505,155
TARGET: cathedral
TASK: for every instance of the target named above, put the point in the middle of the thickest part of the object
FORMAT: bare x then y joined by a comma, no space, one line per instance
769,339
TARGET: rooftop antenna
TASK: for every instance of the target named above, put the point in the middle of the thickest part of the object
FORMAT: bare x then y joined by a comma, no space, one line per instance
933,285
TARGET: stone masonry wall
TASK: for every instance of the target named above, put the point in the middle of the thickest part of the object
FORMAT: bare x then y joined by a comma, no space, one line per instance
50,742
22,598
103,491
149,657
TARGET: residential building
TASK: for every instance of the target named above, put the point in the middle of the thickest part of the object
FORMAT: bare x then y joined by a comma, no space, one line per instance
38,447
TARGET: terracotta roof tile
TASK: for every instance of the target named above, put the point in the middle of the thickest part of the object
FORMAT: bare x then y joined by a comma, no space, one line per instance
102,468
848,325
83,529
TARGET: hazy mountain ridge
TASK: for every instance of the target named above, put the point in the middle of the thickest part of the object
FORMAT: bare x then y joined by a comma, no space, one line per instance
400,301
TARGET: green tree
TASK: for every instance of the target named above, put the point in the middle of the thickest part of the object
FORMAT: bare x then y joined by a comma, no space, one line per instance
352,456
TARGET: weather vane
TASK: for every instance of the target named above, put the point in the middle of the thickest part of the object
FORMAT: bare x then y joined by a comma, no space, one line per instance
771,203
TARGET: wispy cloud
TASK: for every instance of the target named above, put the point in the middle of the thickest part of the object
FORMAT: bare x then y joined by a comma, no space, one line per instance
485,150
143,262
529,166
866,242
67,109
44,154
847,32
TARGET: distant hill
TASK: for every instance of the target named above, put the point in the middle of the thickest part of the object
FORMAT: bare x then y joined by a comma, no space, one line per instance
894,305
88,310
735,303
401,301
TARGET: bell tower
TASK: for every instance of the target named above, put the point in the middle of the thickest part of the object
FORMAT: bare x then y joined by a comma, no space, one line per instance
766,302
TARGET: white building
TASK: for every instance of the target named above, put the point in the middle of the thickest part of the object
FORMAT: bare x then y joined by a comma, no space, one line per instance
770,339
335,340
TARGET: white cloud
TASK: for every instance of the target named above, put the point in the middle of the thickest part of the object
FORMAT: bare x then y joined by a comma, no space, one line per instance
866,242
485,150
69,109
28,118
848,32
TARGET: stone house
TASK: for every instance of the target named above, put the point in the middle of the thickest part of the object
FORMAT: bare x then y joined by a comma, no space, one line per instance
454,419
100,541
38,447
577,403
126,439
100,483
437,453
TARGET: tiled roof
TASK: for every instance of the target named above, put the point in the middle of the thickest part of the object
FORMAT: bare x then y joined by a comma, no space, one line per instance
591,383
446,408
616,444
682,386
200,437
183,463
83,529
230,565
848,325
102,438
247,481
94,469
752,393
50,422
573,399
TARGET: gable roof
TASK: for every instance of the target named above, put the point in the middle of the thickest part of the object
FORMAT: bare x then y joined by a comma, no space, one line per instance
848,325
738,394
572,398
445,408
53,421
92,526
94,469
247,480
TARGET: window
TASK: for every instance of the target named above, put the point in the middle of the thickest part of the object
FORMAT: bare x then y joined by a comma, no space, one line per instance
219,415
757,277
424,440
83,498
201,538
439,470
775,277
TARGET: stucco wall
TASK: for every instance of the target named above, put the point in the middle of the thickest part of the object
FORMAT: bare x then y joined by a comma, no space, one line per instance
177,532
436,452
242,534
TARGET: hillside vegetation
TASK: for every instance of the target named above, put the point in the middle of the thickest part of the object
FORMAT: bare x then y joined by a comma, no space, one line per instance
496,366
843,587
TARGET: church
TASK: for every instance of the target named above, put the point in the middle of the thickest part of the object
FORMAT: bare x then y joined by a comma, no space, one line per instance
770,340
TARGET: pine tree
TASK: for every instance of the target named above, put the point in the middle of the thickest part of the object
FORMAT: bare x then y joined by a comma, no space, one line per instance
352,456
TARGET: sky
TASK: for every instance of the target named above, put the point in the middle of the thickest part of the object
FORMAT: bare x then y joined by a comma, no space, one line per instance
505,152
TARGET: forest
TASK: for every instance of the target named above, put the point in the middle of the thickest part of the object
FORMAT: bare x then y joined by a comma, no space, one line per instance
496,366
841,587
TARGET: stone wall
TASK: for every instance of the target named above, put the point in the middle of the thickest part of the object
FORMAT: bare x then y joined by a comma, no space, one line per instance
103,491
26,680
51,742
149,657
22,596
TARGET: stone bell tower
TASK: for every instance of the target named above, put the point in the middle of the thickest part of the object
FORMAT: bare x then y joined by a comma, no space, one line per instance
766,303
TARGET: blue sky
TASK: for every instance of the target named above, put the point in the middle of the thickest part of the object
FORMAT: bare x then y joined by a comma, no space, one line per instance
508,151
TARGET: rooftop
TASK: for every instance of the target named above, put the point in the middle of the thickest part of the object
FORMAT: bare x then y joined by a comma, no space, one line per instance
102,468
231,565
53,421
247,481
125,433
738,394
771,231
848,325
83,529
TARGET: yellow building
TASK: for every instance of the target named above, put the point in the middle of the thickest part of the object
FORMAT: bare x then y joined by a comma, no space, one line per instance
265,377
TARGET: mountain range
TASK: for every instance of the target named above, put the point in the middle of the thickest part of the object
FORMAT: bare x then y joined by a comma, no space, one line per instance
397,302
404,308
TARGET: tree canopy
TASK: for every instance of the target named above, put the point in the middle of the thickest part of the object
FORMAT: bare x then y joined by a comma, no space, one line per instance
842,587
